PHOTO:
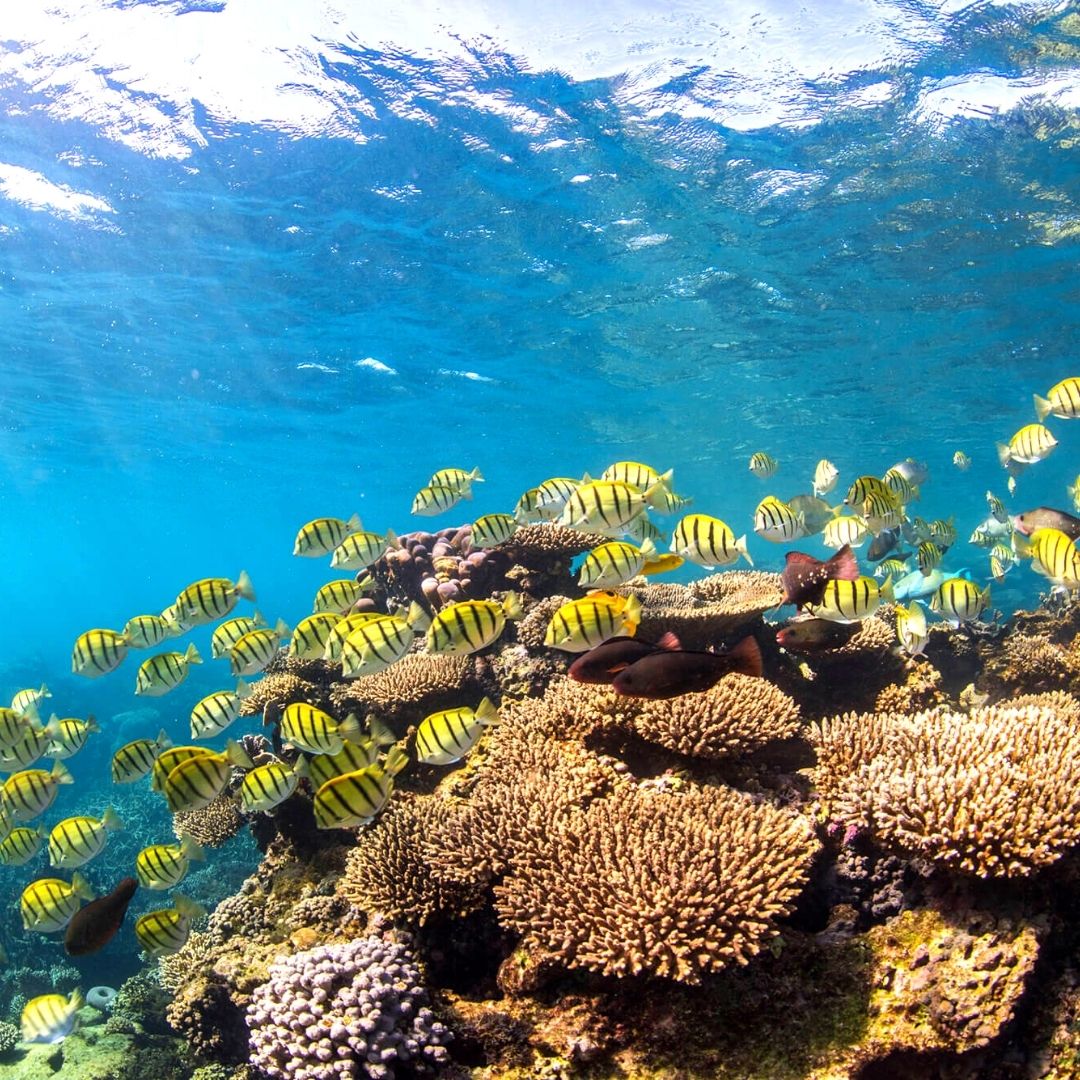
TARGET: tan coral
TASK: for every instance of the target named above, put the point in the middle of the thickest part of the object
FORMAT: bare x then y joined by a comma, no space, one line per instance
675,885
1066,705
530,629
740,590
995,793
279,689
417,679
544,542
212,825
921,689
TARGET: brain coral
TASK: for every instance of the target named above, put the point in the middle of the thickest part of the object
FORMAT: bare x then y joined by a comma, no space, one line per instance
995,793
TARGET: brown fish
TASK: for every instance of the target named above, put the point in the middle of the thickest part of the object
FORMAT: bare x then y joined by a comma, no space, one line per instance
1044,517
812,635
94,926
602,664
668,674
804,577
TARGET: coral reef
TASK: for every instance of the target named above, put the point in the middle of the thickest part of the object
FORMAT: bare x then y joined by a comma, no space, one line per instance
9,1037
212,825
337,1009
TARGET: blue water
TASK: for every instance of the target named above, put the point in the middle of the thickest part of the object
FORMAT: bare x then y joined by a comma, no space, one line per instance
265,262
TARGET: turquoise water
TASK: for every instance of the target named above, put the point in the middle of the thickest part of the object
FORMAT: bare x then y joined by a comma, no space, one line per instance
265,262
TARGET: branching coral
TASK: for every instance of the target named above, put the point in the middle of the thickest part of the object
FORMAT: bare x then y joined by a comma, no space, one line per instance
530,630
417,679
279,688
212,825
995,793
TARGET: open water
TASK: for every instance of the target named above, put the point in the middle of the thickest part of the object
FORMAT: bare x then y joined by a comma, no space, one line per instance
267,260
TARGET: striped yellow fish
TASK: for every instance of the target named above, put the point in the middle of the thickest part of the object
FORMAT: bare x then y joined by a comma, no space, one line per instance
928,555
777,522
164,932
13,726
309,636
894,568
849,529
637,475
69,735
256,649
321,536
231,631
456,479
901,486
1063,401
467,627
552,496
614,564
641,529
48,904
50,1018
911,627
959,600
210,599
527,510
1002,560
360,549
1053,555
346,624
437,499
29,700
943,533
491,530
357,797
375,645
707,541
825,476
997,508
583,624
162,672
863,486
28,749
351,757
763,465
340,595
315,731
135,759
161,866
168,759
267,785
31,792
851,601
215,712
961,461
447,736
668,502
197,781
179,622
97,652
1030,444
606,506
21,845
881,511
76,840
147,631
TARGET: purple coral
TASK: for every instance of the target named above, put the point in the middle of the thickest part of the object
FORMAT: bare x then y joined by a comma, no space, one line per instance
346,1010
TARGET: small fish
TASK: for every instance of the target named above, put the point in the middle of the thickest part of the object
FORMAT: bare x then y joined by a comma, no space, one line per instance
256,649
882,544
162,866
50,1018
911,628
1044,517
847,601
162,672
763,465
21,845
708,542
308,641
894,568
27,701
31,792
959,600
148,631
600,665
321,536
198,781
997,507
344,625
375,645
641,529
882,511
928,556
846,529
168,759
94,926
164,932
804,578
135,759
265,786
360,549
231,631
1010,485
356,798
613,564
1053,555
637,475
917,585
447,736
669,674
456,479
943,533
664,501
862,487
97,652
74,841
526,511
437,499
552,496
178,622
583,624
467,627
814,635
215,712
776,521
1063,401
825,476
48,904
69,735
28,749
915,472
1002,560
1032,443
353,756
315,731
491,530
606,506
901,487
210,599
339,595
990,532
1074,493
961,461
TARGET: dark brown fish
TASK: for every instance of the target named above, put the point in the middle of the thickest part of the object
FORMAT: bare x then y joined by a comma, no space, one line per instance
1044,517
668,674
813,635
804,577
94,926
602,664
883,543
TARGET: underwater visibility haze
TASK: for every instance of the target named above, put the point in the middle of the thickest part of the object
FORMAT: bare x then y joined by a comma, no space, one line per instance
263,263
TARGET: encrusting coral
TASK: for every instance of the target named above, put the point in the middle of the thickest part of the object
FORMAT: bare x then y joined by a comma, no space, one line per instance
995,793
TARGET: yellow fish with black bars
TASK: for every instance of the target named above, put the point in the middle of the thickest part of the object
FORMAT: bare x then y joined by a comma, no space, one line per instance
162,672
552,496
346,624
637,475
375,645
70,735
97,652
471,625
168,759
708,542
491,530
356,798
958,600
340,595
308,641
228,633
1062,401
48,904
911,629
435,499
851,601
583,624
50,1018
321,536
777,522
148,631
31,792
76,840
14,726
1031,444
162,866
27,750
763,465
606,506
256,649
614,563
361,549
447,736
1053,554
136,758
27,701
197,781
266,786
316,732
210,599
21,845
217,711
456,479
164,932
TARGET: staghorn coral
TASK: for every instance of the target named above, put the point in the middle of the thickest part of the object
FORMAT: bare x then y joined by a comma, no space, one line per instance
675,885
995,793
418,682
388,869
212,825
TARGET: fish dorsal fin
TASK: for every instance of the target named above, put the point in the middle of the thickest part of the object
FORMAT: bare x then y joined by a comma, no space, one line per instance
669,642
844,565
800,558
746,657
